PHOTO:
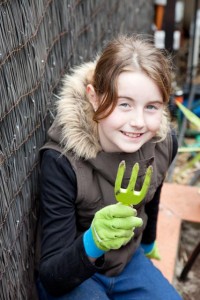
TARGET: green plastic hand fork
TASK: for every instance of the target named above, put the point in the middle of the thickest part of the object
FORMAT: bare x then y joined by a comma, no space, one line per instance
129,196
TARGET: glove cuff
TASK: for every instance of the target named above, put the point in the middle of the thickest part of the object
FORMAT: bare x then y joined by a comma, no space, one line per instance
90,247
148,247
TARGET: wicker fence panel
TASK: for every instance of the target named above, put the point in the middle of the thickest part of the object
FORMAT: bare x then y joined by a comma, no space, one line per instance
40,41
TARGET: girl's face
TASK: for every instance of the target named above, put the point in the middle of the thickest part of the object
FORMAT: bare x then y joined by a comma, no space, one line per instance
136,117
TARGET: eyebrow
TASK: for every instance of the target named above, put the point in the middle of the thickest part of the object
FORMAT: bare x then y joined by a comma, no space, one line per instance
151,101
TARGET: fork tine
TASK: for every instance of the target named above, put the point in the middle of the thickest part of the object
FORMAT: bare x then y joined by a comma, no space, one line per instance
138,196
129,196
146,182
133,179
119,177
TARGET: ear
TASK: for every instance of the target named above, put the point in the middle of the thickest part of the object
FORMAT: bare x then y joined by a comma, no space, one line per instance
92,96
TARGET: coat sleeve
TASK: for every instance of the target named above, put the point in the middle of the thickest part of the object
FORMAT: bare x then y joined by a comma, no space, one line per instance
64,263
152,207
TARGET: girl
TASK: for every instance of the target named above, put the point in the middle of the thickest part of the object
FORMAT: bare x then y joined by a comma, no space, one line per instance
109,110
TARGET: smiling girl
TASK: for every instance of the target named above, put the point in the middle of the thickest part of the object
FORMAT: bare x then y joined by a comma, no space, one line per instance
110,110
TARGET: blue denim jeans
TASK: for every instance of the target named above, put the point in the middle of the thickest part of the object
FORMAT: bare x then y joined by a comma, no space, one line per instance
140,280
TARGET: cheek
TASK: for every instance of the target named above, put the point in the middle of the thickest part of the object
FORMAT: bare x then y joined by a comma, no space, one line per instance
112,121
154,122
104,125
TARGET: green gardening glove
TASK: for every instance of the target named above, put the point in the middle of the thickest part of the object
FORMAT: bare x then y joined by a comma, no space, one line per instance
154,253
151,251
112,227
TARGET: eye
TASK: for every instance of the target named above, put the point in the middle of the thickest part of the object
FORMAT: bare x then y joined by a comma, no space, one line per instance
124,104
151,107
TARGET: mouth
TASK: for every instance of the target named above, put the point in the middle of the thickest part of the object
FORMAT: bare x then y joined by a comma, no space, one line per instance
131,134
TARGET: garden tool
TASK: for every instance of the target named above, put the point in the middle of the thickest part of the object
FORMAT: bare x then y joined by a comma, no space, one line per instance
129,196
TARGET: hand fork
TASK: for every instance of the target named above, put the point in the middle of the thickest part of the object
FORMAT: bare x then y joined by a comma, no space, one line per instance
129,196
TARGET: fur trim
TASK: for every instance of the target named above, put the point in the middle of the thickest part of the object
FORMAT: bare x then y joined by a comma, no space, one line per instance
75,114
79,132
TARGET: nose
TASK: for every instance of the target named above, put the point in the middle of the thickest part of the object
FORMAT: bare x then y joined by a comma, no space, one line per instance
137,119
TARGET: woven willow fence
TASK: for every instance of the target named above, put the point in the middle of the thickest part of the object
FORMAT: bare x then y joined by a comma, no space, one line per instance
39,41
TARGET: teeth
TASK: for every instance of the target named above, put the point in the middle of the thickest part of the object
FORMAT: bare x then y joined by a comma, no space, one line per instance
134,135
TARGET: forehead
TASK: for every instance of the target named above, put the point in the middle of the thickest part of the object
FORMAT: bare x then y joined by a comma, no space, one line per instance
134,84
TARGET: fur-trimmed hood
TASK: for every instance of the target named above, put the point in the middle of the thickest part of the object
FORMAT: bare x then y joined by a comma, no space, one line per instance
74,128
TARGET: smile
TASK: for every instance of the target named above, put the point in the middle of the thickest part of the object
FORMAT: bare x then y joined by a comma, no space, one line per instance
132,135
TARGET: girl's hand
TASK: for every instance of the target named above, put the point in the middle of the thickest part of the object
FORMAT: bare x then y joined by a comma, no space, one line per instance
112,227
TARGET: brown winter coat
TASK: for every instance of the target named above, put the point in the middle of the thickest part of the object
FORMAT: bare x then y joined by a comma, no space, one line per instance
75,135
